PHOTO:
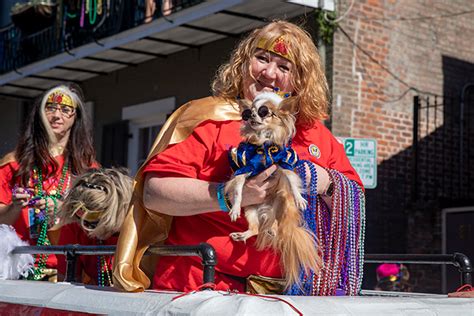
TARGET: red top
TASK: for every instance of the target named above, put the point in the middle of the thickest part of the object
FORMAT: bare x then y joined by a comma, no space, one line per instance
203,155
24,226
86,266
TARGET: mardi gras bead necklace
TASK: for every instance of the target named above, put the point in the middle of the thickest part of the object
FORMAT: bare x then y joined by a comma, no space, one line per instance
92,8
99,7
340,234
103,270
41,216
83,12
41,258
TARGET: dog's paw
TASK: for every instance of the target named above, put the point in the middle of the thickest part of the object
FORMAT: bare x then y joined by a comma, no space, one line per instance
234,214
301,203
241,236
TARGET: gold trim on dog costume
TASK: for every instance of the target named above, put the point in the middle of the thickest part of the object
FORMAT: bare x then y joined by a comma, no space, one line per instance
89,219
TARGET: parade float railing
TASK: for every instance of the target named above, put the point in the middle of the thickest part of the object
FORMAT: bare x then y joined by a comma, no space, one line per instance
459,260
209,258
203,250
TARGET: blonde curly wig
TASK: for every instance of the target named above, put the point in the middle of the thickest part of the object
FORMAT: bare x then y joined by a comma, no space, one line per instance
104,192
308,78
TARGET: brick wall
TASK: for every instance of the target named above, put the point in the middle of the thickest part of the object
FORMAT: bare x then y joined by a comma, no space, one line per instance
395,48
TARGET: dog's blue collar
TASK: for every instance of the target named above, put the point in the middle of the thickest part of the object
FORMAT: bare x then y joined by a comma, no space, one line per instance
253,159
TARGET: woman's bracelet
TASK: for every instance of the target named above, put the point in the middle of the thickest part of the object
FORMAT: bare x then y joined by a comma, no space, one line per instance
224,203
330,189
227,202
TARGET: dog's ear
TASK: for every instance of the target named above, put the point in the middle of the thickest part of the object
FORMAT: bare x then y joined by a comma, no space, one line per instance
93,170
288,105
244,104
123,170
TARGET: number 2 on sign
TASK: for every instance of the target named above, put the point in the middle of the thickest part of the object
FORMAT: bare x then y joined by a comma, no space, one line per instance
349,147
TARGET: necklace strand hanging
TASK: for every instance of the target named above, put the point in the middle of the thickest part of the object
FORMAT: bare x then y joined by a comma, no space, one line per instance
41,216
340,234
103,270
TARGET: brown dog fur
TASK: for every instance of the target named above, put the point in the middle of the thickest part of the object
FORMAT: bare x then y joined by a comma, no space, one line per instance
278,221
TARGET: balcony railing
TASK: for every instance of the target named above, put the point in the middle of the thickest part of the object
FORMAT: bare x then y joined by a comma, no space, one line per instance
71,27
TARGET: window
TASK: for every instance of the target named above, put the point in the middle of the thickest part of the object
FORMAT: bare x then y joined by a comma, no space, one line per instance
146,137
145,122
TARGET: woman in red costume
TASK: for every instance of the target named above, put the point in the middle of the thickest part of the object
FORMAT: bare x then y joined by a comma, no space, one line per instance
180,184
56,145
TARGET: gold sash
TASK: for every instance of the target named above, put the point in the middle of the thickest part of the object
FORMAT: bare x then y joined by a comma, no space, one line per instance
143,227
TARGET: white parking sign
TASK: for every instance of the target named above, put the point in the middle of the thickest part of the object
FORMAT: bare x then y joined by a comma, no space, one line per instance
362,153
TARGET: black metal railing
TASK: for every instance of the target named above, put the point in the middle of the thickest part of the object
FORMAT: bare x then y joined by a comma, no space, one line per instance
203,250
209,258
443,138
459,260
72,27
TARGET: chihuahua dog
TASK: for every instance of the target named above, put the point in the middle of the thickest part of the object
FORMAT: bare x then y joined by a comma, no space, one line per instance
268,127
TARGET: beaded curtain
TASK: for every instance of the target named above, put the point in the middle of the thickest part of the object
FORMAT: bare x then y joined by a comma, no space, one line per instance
340,234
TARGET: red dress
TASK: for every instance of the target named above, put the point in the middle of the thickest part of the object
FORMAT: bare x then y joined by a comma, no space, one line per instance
203,155
86,266
24,225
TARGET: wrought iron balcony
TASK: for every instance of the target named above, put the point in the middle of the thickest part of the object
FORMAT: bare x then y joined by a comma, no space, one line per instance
73,25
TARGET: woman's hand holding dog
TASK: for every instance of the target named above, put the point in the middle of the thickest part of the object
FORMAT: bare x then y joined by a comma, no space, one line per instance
256,188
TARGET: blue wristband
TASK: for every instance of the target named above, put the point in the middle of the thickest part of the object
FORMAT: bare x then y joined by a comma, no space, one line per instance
221,197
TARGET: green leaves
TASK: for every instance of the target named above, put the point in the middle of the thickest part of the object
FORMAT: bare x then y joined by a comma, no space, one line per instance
326,25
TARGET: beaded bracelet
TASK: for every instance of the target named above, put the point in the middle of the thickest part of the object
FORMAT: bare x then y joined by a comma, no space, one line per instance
227,202
221,198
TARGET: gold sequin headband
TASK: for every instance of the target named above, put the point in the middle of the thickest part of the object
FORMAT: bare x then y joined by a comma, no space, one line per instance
58,97
82,212
279,46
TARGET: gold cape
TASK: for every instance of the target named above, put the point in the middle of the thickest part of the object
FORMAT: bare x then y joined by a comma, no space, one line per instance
10,157
143,227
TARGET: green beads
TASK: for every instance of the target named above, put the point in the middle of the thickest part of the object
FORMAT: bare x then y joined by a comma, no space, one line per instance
43,240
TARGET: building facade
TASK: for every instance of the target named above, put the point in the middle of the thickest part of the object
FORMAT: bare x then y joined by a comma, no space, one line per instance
385,54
